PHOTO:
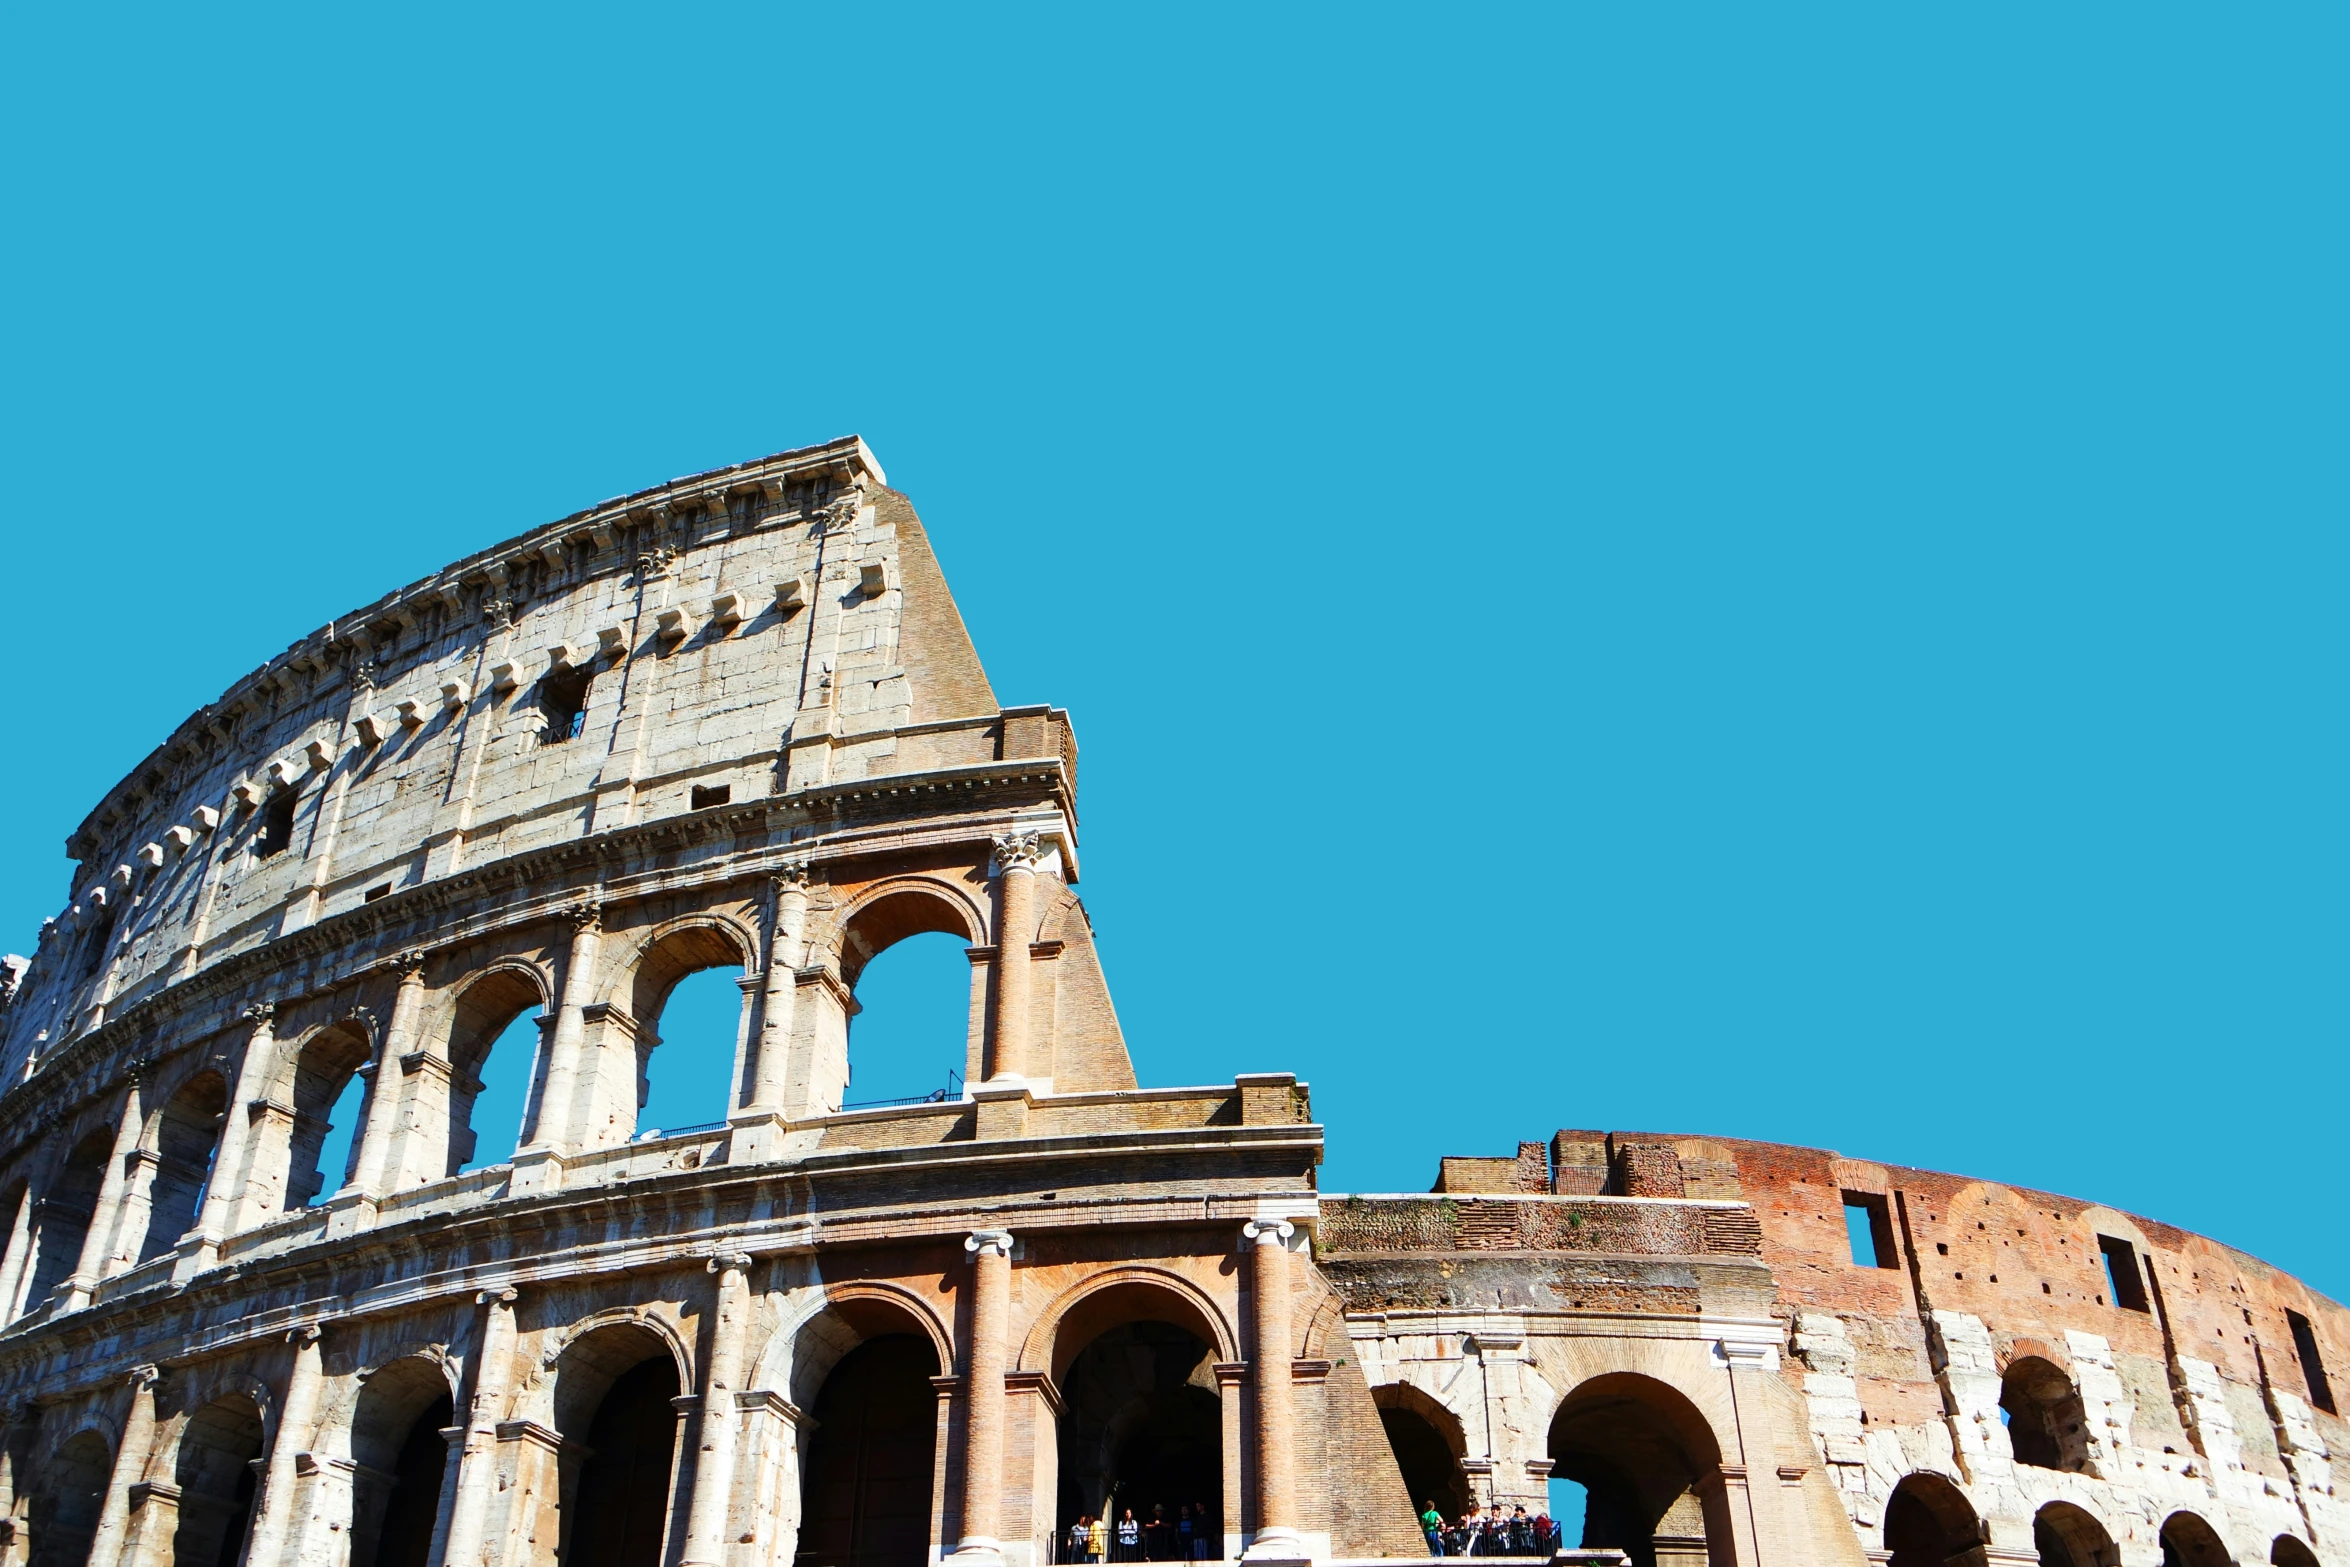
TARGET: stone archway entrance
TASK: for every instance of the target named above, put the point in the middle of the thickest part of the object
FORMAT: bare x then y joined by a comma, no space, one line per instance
866,1488
1641,1453
1141,1428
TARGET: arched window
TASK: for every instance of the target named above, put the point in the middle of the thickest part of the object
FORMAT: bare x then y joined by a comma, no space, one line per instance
187,1135
493,1052
865,1489
691,1012
329,1098
67,1500
2067,1536
2286,1551
907,1038
65,1212
214,1472
396,1438
2187,1541
1639,1450
613,1393
1929,1523
2046,1424
1428,1444
95,946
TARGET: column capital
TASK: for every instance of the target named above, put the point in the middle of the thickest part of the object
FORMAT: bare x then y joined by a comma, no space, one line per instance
141,1378
792,876
1017,851
1267,1232
408,964
500,1297
729,1262
304,1337
983,1243
259,1012
586,916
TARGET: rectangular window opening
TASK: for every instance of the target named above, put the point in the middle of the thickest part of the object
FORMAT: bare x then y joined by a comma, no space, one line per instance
2122,1278
1868,1228
383,891
714,794
2313,1366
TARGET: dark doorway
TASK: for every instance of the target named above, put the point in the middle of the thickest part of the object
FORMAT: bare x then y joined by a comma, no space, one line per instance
65,1505
1432,1471
214,1472
1928,1523
1141,1428
866,1493
405,1537
622,1499
64,1214
1629,1443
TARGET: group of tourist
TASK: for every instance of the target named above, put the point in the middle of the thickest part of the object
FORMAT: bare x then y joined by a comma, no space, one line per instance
1496,1533
1190,1536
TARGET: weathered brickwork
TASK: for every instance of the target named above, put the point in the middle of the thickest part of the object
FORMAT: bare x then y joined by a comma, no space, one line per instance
734,722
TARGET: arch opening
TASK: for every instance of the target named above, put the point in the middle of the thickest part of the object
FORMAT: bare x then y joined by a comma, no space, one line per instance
494,1060
65,1505
328,1093
614,1395
2067,1536
1141,1433
1930,1523
1428,1443
1640,1452
187,1136
2286,1551
396,1438
65,1212
214,1472
692,1010
909,1035
2189,1541
865,1489
2046,1424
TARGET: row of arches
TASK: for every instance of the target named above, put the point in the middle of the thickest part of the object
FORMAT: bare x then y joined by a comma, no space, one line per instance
1930,1523
129,1191
844,1440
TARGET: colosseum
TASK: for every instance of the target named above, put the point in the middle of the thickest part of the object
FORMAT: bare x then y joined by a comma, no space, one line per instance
735,722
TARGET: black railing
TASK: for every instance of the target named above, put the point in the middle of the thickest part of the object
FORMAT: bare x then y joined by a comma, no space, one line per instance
937,1096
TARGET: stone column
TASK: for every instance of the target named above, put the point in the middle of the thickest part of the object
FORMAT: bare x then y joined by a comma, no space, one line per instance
983,1396
130,1467
384,1101
718,1417
552,1128
786,929
475,1439
17,1266
98,1240
273,1509
223,1191
1277,1538
1015,856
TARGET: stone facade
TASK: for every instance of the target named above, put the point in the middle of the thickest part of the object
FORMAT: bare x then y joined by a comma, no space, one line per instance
735,722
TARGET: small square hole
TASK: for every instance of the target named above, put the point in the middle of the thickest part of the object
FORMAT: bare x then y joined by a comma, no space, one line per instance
714,794
383,891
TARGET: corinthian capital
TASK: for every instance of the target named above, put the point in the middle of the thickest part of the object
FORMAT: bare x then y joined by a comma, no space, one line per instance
260,1012
1017,851
792,876
586,916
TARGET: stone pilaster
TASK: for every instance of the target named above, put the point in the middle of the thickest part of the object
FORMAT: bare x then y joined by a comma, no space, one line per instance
224,1194
386,1097
273,1509
1015,858
1276,1534
718,1419
130,1467
98,1240
550,1132
475,1439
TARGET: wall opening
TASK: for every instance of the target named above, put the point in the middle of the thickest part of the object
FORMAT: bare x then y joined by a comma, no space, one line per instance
2289,1552
1639,1451
2122,1278
276,829
616,1512
2187,1541
705,796
1868,1229
95,945
65,1505
494,1048
1428,1445
866,1487
1929,1523
908,1039
563,700
2047,1425
214,1471
396,1438
1570,1503
2313,1366
691,1011
2067,1536
64,1214
1141,1431
187,1136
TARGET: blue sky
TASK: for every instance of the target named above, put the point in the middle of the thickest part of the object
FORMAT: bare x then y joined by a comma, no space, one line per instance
1774,575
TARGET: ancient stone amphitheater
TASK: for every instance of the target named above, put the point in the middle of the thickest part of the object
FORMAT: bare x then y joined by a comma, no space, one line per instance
735,722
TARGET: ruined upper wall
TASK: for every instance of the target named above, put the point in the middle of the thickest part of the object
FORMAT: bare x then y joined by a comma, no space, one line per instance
769,627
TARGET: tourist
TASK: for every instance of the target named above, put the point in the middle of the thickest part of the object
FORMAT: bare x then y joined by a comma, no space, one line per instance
1207,1540
1098,1540
1157,1539
1546,1534
1432,1525
1129,1538
1080,1539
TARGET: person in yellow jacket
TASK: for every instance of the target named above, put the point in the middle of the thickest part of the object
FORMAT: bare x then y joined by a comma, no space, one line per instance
1098,1540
